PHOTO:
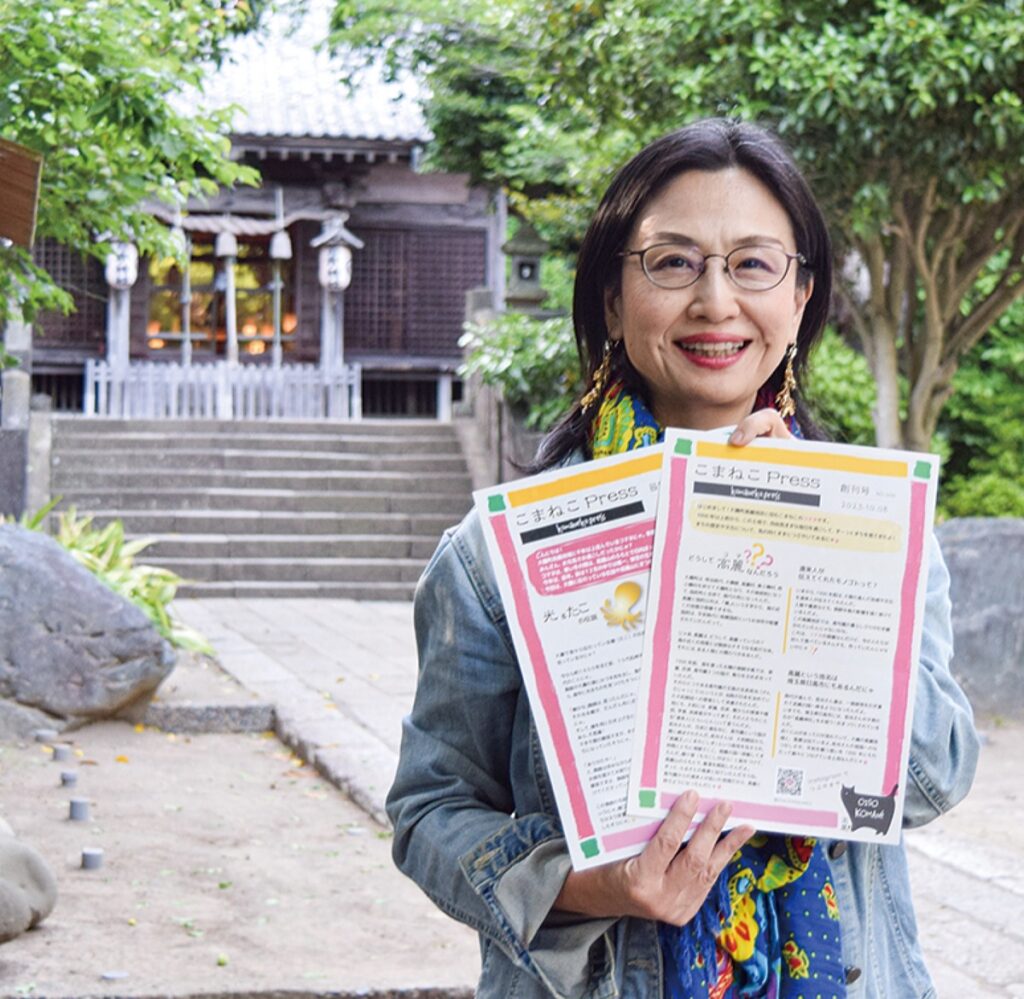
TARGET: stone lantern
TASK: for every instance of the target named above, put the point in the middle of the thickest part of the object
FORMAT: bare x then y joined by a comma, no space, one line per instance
121,272
525,249
334,245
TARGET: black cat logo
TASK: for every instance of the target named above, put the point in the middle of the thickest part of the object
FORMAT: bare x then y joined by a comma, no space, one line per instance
872,810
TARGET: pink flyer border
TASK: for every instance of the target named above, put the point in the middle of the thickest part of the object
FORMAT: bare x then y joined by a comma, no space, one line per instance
629,837
545,685
905,637
663,625
764,812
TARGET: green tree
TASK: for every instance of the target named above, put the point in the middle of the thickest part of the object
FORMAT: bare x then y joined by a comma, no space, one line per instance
95,86
981,427
907,116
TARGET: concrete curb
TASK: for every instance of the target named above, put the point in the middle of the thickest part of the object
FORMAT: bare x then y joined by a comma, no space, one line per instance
346,753
210,719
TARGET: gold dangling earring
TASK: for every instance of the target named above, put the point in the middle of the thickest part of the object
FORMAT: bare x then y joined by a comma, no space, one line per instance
604,369
784,401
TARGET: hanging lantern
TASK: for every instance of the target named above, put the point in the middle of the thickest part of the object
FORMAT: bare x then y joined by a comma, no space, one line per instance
122,268
280,246
335,267
226,245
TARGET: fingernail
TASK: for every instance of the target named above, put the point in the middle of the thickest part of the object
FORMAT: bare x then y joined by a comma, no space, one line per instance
737,438
691,798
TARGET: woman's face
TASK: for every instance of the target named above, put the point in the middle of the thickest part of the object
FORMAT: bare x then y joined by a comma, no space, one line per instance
704,351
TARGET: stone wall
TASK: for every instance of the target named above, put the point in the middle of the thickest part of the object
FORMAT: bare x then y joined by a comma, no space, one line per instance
986,564
13,462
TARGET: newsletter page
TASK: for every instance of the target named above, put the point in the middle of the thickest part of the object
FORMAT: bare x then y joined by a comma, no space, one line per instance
780,658
572,555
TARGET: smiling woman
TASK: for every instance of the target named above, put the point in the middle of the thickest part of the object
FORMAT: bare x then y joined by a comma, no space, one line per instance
703,338
702,285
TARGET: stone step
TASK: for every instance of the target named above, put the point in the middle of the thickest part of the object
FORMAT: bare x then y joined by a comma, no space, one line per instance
273,500
260,508
170,480
349,591
380,428
257,441
309,570
155,460
288,546
249,522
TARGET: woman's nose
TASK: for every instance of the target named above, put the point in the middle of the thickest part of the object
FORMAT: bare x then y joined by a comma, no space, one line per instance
713,294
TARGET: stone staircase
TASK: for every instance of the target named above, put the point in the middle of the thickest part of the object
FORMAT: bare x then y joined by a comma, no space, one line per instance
290,509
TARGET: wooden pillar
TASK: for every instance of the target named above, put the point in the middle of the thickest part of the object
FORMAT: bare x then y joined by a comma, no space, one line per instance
226,248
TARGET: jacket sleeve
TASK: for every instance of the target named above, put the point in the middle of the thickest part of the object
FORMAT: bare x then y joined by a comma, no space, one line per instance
452,803
944,744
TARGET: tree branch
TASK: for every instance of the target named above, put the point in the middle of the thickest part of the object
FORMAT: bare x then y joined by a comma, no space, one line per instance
974,326
982,247
860,324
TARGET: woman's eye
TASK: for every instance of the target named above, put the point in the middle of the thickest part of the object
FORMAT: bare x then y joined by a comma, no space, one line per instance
759,261
671,261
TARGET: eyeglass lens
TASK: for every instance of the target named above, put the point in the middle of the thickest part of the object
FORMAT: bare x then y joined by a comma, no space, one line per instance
676,265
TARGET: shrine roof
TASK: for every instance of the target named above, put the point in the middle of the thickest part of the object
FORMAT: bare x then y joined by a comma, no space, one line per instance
288,86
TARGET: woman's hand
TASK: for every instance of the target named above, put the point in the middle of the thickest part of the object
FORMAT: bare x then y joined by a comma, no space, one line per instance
664,882
763,423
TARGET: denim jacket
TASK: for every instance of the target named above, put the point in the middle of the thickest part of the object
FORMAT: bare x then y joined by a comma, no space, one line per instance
477,828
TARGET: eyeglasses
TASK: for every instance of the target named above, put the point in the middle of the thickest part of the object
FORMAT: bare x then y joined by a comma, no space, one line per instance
752,268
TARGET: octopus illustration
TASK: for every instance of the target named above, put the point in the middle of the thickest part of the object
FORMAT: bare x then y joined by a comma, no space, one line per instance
618,611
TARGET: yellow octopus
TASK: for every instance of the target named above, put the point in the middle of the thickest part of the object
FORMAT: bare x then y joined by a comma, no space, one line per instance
620,612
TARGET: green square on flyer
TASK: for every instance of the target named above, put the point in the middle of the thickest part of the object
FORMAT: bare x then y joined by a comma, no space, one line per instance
647,799
684,446
589,848
496,504
923,470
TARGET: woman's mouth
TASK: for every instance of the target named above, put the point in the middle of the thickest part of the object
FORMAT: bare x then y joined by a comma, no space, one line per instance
711,351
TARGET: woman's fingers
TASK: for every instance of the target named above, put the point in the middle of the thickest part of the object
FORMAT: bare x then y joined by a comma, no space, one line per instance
668,880
666,842
762,423
698,865
730,843
708,851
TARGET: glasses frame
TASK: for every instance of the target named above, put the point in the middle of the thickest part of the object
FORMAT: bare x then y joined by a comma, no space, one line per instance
705,257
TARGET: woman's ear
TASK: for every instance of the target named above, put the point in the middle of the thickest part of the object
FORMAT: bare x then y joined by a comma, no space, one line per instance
612,313
803,296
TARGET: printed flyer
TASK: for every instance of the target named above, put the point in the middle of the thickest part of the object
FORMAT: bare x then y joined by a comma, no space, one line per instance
571,550
785,616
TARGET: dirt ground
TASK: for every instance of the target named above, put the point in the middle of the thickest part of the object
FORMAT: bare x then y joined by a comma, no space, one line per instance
229,867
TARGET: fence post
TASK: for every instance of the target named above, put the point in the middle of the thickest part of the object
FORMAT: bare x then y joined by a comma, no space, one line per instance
225,402
89,397
356,374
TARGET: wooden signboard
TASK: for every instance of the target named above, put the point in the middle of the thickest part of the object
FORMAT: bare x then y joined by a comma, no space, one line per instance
20,169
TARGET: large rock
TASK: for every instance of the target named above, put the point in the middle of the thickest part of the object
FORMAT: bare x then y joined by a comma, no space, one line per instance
69,645
986,566
19,722
28,889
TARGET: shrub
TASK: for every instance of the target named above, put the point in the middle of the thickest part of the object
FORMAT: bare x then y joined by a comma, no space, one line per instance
532,361
841,390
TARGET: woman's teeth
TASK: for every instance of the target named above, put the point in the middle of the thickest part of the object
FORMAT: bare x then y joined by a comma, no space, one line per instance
713,349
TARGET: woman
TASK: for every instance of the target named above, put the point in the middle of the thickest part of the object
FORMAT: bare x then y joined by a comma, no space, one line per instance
702,285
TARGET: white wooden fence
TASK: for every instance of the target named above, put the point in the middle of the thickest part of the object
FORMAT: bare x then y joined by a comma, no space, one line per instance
155,389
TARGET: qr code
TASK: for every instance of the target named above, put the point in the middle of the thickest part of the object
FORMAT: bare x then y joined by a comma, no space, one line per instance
789,782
